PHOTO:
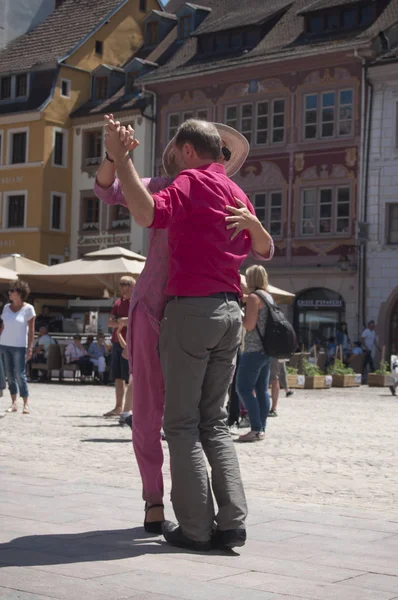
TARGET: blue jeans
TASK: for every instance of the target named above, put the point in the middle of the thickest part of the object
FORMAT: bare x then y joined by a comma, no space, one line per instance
15,367
253,375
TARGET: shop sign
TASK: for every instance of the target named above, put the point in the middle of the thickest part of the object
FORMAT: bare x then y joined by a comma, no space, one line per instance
104,240
320,303
6,180
7,243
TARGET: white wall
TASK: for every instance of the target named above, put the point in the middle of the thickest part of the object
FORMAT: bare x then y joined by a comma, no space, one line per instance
82,181
382,267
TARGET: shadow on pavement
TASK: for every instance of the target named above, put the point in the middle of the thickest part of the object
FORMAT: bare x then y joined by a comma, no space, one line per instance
106,441
108,425
56,549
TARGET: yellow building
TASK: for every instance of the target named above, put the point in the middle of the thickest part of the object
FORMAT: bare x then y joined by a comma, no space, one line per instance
45,75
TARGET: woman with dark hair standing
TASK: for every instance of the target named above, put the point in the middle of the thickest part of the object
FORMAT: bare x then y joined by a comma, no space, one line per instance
16,341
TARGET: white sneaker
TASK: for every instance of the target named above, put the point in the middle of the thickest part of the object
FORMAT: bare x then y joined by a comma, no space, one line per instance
234,429
244,422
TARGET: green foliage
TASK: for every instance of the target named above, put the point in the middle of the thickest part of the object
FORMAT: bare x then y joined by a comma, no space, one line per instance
338,368
384,368
310,370
291,370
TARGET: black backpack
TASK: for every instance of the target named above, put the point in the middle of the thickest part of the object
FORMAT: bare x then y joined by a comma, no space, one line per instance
279,339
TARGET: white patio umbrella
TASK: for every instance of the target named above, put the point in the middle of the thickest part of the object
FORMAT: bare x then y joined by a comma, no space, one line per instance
20,264
280,296
89,276
7,275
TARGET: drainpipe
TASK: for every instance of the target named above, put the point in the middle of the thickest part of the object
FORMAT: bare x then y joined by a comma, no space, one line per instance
366,190
291,181
361,285
154,118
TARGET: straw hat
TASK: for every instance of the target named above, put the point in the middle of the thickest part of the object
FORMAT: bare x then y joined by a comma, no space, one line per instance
232,140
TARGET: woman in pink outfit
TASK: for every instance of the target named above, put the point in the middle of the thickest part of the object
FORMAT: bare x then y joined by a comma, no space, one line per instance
147,306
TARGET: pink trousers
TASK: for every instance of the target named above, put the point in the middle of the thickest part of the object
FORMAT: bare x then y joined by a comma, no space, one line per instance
148,404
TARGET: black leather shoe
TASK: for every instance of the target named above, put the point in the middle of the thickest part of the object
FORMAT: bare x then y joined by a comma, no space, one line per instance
174,536
153,527
226,540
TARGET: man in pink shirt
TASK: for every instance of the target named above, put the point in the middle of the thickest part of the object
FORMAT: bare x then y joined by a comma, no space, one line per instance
201,330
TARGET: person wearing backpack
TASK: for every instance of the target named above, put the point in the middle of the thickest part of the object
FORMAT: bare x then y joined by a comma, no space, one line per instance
268,335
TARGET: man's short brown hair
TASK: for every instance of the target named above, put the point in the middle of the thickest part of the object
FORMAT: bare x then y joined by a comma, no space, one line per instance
203,137
21,287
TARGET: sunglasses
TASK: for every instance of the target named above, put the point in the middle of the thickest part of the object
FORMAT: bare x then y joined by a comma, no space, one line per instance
124,283
226,153
11,290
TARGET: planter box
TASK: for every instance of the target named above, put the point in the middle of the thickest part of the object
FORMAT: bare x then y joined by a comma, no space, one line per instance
346,380
375,380
318,382
295,382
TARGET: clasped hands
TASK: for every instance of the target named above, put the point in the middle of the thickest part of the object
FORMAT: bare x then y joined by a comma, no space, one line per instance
119,140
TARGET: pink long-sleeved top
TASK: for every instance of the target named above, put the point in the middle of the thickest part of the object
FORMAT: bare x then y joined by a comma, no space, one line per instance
149,290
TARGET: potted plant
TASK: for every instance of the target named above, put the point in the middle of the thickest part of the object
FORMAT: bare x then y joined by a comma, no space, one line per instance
294,380
382,377
343,376
314,378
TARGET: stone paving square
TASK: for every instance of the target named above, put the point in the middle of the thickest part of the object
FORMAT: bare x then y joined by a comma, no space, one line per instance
322,492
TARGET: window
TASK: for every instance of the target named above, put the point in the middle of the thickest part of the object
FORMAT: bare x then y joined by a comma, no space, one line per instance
247,121
90,214
367,14
317,24
60,148
332,21
345,115
222,42
310,117
120,217
175,119
93,148
18,148
231,116
21,85
278,129
55,259
329,115
325,211
143,5
392,223
65,88
350,17
15,210
236,40
202,114
5,88
184,27
99,47
206,44
268,207
101,88
152,33
57,212
261,124
174,123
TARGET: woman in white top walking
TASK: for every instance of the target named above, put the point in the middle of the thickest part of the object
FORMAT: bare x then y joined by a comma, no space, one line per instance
16,341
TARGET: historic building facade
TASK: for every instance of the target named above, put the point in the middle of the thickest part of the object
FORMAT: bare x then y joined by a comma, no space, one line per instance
71,57
303,118
382,203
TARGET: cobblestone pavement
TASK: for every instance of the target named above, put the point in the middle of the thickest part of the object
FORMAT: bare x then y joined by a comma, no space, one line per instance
322,491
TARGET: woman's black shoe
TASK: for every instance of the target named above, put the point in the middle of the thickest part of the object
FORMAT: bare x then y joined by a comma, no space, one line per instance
154,527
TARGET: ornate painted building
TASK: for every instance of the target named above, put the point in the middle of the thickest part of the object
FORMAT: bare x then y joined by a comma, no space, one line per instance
289,77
